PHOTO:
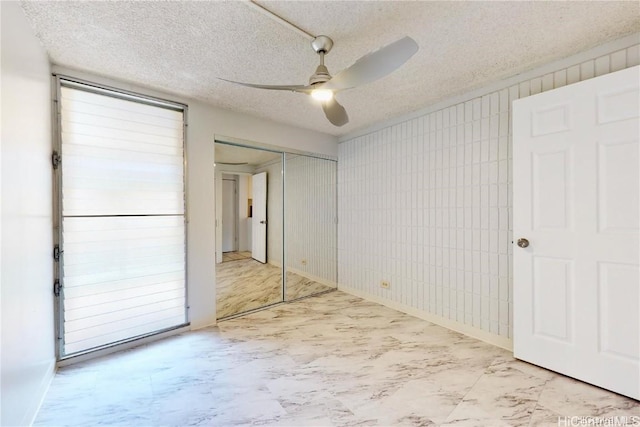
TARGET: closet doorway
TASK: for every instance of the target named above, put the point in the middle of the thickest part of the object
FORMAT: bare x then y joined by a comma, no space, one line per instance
283,206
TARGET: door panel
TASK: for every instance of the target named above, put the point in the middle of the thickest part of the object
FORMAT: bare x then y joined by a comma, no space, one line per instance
552,297
551,190
619,296
576,200
617,178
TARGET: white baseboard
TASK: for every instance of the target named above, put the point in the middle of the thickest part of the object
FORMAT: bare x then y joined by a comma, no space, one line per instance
30,416
203,326
306,275
467,330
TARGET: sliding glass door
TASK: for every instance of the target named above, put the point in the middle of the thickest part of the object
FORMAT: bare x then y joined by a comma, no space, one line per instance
311,226
121,217
280,211
249,202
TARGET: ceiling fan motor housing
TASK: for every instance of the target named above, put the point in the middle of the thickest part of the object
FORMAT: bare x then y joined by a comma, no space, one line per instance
322,44
320,76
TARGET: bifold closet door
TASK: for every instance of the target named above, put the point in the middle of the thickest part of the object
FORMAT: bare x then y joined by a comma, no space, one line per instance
122,218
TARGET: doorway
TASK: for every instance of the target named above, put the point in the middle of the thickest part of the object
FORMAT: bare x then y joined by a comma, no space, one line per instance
229,213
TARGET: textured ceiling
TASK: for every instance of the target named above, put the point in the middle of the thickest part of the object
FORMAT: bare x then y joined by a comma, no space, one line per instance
183,47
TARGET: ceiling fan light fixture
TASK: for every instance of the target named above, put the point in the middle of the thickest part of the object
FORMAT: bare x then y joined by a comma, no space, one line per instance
368,68
322,94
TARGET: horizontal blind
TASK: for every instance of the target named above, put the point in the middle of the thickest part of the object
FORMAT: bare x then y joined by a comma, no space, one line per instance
120,157
123,227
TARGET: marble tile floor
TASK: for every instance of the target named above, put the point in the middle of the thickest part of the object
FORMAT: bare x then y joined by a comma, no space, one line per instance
247,284
329,360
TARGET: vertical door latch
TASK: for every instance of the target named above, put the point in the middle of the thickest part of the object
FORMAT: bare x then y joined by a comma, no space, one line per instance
57,287
56,253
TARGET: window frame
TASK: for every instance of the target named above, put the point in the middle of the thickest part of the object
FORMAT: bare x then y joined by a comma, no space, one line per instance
59,81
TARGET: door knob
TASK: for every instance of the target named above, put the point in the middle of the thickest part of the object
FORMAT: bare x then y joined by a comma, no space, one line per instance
263,222
523,243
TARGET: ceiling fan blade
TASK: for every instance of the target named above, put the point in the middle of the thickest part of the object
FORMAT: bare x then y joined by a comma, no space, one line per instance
335,112
374,65
293,88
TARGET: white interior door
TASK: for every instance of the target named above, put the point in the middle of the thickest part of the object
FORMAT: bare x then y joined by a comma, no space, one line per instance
229,215
576,201
259,221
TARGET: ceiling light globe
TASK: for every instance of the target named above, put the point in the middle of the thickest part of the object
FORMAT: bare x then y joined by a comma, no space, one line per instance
322,94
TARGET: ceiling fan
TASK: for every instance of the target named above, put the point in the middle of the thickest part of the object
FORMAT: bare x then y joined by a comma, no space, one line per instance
368,68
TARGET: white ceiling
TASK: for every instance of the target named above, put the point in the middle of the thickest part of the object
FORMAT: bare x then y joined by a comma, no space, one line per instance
183,47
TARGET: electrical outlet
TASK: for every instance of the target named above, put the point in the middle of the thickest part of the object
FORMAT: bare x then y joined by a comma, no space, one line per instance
303,262
385,284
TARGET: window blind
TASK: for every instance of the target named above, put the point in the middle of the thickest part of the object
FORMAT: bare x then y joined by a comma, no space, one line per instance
123,231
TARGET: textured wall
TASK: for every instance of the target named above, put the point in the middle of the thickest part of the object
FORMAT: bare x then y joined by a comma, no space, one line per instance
427,204
310,188
310,200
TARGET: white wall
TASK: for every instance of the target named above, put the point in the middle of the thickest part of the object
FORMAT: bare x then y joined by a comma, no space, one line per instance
425,201
27,329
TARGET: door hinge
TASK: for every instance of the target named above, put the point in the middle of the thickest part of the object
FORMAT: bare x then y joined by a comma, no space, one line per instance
56,253
55,159
57,287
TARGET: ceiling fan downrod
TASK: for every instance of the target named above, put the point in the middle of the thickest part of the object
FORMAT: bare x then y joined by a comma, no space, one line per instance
321,45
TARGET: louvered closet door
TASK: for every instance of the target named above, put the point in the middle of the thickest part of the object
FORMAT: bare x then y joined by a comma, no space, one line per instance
122,225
